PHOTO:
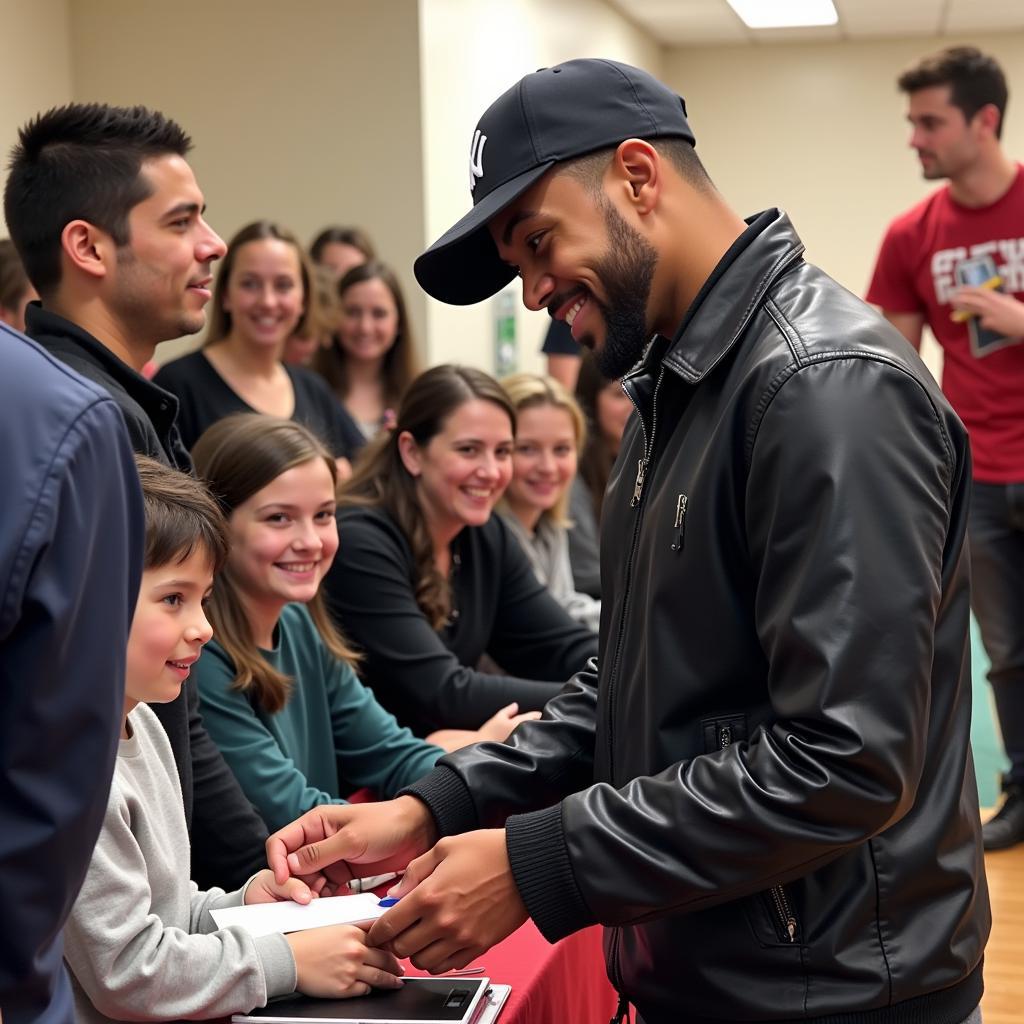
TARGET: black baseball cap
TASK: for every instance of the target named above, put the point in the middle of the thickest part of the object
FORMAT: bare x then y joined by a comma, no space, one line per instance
552,115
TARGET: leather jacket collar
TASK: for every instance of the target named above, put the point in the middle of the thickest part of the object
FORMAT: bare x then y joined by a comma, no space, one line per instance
731,295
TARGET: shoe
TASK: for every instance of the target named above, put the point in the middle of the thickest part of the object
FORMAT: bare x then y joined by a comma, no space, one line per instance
1006,827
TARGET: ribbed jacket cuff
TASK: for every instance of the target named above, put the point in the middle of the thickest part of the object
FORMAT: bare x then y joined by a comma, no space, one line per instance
543,872
448,800
278,962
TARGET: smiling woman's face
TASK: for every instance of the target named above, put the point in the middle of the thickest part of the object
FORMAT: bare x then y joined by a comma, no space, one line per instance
264,293
463,470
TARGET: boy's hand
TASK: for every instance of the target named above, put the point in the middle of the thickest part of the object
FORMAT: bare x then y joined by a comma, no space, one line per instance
336,963
264,889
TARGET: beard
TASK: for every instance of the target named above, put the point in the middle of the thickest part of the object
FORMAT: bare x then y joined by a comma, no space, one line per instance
626,272
139,298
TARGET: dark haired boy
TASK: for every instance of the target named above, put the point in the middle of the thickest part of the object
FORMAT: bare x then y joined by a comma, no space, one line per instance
140,941
108,219
955,261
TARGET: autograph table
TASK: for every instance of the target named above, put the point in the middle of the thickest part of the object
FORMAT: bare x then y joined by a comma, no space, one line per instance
560,984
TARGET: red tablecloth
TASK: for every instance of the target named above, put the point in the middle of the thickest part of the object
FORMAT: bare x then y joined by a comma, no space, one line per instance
560,984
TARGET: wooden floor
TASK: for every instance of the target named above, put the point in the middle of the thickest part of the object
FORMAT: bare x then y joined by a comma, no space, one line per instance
1003,1002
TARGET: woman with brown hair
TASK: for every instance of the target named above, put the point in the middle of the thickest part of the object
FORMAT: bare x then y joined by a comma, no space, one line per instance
428,581
259,301
372,359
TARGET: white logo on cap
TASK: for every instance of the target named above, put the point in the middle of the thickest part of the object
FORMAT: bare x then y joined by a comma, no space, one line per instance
476,158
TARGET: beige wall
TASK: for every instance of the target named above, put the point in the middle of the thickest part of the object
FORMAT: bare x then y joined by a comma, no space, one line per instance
35,67
471,52
285,125
819,130
307,113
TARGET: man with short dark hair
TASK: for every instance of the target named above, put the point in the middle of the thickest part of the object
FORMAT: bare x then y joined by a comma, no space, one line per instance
764,788
955,261
108,218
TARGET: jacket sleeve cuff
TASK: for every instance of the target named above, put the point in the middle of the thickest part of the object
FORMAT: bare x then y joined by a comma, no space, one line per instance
543,873
448,800
279,970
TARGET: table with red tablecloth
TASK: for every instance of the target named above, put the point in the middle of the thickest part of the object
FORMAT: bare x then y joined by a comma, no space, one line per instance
564,983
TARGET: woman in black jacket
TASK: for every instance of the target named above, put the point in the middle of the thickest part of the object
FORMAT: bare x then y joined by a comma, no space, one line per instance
427,581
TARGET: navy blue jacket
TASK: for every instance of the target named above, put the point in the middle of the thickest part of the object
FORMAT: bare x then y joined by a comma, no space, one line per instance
71,544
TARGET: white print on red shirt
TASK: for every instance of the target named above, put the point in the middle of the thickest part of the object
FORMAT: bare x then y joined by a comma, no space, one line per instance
1007,252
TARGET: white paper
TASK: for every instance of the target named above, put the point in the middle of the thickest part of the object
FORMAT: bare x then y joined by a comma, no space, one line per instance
270,918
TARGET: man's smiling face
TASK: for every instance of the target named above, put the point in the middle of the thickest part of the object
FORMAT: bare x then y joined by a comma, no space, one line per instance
580,259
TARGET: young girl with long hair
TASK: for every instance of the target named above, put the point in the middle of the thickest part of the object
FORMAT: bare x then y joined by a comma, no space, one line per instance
277,688
550,431
428,581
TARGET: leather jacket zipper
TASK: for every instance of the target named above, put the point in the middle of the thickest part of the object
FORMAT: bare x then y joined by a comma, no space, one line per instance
778,895
642,464
785,914
642,467
622,1009
638,487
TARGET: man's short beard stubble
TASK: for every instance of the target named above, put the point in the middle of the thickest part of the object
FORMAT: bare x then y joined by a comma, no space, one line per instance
626,272
135,307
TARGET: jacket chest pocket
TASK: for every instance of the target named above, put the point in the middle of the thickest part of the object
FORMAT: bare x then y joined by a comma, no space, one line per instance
722,732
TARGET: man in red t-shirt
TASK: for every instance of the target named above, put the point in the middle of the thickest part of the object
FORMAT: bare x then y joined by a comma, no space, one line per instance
956,262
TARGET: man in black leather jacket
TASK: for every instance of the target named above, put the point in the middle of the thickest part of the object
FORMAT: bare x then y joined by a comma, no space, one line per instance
763,789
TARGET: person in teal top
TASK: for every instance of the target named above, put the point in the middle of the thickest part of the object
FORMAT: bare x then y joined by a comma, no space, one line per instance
277,688
286,761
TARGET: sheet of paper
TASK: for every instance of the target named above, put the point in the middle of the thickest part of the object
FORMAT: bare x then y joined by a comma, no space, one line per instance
268,918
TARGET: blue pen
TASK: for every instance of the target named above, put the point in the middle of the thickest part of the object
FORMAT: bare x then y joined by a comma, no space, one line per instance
389,901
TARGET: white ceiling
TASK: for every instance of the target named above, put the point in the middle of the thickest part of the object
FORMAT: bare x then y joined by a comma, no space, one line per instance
688,22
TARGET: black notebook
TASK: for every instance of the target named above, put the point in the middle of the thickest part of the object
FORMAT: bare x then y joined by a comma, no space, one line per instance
418,1001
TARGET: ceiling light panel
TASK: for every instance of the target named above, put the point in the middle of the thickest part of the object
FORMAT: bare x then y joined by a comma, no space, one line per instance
785,13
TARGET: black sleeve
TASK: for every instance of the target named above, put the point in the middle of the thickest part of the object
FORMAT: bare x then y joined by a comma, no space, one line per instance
480,785
412,673
228,835
534,636
559,340
65,612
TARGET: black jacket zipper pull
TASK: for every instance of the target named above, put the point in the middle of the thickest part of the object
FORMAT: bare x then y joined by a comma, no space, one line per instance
621,1011
641,472
678,525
